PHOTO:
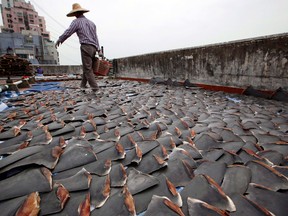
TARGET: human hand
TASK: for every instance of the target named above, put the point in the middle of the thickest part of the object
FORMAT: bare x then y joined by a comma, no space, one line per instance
57,44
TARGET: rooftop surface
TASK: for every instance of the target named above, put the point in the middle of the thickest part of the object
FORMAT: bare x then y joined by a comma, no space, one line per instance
136,148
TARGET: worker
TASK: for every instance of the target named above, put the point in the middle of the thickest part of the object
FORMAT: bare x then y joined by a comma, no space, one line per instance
87,34
39,71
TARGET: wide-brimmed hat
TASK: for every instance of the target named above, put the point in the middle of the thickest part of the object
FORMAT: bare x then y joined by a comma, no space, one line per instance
76,8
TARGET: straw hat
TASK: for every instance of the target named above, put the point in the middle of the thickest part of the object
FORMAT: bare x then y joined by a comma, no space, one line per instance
76,8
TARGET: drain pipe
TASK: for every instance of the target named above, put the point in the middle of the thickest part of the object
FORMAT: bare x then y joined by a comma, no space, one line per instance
17,82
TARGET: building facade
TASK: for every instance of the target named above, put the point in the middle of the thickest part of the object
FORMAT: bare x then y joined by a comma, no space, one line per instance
24,33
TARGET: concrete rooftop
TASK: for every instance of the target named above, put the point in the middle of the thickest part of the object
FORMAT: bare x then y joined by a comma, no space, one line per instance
136,148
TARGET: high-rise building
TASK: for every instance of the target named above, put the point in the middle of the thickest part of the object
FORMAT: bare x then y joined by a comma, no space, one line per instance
24,32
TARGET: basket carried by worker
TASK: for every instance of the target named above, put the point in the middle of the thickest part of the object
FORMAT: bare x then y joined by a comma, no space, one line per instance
101,67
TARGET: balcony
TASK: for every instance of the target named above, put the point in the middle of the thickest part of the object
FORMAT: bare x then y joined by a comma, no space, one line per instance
26,50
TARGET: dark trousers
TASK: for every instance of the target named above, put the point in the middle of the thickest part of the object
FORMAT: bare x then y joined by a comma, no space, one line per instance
88,53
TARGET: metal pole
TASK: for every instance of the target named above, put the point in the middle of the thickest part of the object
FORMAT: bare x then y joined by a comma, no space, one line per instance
102,51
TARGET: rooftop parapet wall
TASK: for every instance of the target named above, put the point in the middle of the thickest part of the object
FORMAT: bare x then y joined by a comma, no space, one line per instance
260,62
50,70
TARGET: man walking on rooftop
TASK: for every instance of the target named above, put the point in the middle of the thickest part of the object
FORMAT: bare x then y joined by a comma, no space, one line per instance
86,32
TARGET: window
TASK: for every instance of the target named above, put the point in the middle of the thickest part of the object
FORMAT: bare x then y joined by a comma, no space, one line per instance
31,16
29,39
19,14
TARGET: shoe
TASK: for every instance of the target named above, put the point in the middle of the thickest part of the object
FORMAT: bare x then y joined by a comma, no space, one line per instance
92,95
83,89
95,90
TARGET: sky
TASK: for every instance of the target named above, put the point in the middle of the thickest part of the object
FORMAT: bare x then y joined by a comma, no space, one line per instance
134,27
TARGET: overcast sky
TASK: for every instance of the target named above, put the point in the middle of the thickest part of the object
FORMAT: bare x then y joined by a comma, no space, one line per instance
134,27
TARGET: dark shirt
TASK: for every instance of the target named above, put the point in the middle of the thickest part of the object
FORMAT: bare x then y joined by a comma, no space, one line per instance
39,70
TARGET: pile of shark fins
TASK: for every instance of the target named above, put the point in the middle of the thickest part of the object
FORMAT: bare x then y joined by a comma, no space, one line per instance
142,149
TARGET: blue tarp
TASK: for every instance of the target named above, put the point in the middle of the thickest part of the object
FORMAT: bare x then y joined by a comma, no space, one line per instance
39,87
45,86
3,106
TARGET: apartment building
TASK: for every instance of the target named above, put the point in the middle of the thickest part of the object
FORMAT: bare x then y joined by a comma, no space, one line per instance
24,32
